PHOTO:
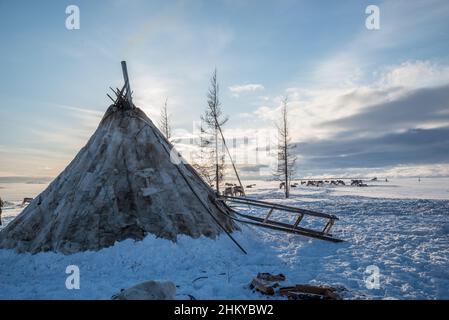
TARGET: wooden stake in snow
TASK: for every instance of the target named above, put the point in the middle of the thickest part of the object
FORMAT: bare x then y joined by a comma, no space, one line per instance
128,86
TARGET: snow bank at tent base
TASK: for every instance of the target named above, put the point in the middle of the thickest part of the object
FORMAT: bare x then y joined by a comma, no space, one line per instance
406,239
222,268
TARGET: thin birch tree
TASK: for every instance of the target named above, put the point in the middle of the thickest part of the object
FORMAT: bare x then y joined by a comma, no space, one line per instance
213,118
286,158
164,121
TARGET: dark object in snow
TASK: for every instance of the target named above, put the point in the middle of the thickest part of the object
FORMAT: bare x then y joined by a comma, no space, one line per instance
358,183
238,191
228,191
266,283
337,182
148,290
26,201
199,278
270,277
309,292
234,191
262,286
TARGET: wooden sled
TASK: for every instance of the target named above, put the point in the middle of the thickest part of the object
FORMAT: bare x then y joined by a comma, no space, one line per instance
268,223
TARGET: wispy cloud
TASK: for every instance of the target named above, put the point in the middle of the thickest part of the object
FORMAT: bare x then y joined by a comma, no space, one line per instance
417,109
398,119
415,74
236,90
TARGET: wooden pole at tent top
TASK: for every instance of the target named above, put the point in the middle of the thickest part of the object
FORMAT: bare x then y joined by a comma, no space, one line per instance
128,86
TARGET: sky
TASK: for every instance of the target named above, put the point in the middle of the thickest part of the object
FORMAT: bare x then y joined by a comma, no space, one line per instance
360,101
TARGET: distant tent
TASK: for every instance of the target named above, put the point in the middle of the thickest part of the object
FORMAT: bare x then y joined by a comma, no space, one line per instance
122,184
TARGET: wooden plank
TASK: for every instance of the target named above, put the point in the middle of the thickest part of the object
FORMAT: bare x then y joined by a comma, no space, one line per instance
300,231
293,295
268,215
128,86
265,204
280,226
300,216
323,291
277,223
110,97
113,90
328,226
270,277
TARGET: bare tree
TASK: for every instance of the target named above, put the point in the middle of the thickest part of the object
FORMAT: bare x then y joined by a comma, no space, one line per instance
285,156
164,122
203,161
212,119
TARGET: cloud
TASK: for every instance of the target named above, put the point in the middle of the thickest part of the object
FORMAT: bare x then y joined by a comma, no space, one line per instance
78,110
415,74
420,108
267,113
152,88
33,161
401,118
404,171
236,90
412,147
88,118
431,170
49,145
387,103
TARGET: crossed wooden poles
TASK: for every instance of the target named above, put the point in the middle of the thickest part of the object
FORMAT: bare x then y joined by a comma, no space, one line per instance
123,97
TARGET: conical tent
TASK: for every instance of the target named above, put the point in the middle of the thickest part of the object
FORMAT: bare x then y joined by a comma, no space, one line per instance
122,184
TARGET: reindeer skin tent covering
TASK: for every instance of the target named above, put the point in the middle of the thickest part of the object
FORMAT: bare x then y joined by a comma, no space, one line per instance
121,185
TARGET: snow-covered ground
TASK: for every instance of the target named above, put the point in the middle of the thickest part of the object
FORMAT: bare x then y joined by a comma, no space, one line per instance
404,188
402,227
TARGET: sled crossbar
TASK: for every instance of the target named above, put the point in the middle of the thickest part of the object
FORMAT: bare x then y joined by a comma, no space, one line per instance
294,227
265,204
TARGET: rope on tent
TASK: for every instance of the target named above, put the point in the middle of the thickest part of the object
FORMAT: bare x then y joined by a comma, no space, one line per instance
229,154
192,189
